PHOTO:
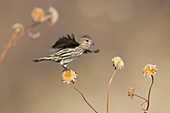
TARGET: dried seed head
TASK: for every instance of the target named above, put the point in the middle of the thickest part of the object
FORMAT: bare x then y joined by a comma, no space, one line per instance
130,92
69,76
54,15
149,70
37,14
118,62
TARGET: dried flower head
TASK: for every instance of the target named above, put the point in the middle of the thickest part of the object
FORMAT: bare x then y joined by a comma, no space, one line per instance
149,70
130,92
54,15
37,14
17,27
69,76
118,62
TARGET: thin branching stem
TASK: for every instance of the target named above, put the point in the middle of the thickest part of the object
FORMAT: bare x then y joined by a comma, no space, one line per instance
84,98
145,100
15,36
109,89
149,94
140,97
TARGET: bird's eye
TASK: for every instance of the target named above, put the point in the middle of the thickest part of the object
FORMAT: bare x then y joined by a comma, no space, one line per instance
87,40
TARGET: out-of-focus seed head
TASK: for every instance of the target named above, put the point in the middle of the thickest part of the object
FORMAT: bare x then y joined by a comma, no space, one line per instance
34,35
37,14
54,14
118,62
17,27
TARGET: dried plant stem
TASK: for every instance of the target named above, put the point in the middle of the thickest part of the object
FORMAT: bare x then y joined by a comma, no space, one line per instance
109,89
148,102
16,36
145,100
84,99
140,97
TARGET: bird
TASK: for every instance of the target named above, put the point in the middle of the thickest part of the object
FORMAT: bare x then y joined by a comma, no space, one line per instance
67,49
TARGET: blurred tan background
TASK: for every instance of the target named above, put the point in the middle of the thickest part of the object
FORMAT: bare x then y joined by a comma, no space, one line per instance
136,30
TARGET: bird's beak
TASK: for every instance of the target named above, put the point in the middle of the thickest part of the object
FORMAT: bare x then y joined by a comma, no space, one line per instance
92,43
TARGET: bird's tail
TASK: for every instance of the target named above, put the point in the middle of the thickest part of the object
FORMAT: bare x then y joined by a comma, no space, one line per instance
43,59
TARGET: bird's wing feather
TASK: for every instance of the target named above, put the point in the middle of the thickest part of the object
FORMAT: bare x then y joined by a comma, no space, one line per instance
65,42
90,51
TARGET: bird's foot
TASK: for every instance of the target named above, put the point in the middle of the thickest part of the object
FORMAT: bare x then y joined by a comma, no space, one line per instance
66,69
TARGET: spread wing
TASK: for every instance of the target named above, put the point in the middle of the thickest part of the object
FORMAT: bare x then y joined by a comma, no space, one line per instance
65,42
90,51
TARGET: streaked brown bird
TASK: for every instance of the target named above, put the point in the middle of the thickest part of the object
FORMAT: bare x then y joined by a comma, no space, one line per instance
67,49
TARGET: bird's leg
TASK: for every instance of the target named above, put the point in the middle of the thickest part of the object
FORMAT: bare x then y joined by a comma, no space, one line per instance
65,68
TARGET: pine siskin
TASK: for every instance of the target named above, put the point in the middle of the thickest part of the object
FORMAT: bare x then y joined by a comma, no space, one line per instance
68,49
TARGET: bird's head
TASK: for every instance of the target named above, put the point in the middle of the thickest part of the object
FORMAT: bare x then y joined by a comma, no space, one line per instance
86,42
